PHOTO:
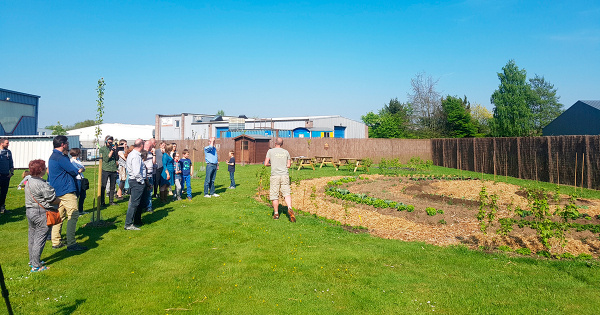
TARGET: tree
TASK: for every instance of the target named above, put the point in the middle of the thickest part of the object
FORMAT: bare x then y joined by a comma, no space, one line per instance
221,112
512,115
82,124
481,116
459,123
391,122
58,129
544,103
426,102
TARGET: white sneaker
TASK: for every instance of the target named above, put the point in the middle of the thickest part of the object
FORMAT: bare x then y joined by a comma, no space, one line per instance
206,196
215,195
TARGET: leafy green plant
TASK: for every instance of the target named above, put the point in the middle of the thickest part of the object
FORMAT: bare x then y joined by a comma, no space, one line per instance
367,162
505,248
569,211
506,226
567,256
556,195
442,221
544,253
523,251
431,211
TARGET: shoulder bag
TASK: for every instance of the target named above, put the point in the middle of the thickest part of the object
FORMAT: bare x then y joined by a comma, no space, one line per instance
85,183
52,216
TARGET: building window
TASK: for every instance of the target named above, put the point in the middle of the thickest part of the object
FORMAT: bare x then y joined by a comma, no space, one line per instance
326,135
177,124
244,144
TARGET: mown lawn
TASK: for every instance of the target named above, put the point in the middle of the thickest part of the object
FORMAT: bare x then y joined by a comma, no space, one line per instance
227,255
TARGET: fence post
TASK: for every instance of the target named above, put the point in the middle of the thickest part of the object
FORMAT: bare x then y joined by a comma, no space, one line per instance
519,157
550,175
474,157
458,166
589,173
494,157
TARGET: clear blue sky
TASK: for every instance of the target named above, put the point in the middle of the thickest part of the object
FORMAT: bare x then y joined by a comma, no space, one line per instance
274,59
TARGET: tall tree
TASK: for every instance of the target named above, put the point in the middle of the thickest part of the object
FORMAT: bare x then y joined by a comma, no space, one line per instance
544,104
512,115
221,112
426,102
459,123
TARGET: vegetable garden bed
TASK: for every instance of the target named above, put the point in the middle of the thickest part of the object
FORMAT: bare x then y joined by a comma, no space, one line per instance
445,211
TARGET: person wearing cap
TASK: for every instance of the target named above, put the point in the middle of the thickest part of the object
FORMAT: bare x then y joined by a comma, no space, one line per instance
109,156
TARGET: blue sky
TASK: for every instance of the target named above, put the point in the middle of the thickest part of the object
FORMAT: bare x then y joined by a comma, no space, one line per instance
274,59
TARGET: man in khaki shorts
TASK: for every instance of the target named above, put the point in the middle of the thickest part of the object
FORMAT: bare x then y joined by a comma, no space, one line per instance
280,161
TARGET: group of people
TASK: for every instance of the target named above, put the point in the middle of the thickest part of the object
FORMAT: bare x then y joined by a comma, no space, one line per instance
141,166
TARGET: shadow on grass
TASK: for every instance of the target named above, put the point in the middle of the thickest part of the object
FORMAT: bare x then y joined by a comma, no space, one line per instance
71,308
13,215
94,234
283,210
158,214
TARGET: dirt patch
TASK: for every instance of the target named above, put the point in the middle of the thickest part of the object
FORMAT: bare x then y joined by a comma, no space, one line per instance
457,225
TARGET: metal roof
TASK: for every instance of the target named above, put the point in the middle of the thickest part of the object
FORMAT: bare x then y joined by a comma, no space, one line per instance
18,93
594,104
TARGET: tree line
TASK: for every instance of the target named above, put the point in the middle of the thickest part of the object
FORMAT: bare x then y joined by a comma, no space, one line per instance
521,108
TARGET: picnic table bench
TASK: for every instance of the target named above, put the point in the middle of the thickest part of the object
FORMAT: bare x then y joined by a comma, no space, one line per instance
324,160
350,162
301,161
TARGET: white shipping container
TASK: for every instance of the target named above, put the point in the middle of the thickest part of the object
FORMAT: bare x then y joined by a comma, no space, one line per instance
27,148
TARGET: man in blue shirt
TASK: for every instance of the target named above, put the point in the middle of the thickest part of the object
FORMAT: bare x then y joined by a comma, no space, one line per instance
61,176
212,165
7,169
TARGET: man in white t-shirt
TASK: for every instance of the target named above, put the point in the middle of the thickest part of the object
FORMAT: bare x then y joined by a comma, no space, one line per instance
280,161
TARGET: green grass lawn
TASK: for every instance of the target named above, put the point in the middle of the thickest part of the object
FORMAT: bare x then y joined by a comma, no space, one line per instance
227,255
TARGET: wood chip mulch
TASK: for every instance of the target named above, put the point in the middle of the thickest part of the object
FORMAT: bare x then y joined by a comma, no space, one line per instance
462,226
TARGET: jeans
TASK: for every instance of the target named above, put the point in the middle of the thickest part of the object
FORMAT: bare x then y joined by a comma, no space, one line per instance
82,193
151,180
157,173
187,181
209,181
231,177
177,186
137,202
113,180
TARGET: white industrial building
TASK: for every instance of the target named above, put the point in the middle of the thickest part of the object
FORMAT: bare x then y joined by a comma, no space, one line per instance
188,126
27,148
87,135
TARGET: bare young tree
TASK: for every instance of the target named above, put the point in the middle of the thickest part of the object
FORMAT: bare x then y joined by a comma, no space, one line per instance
426,102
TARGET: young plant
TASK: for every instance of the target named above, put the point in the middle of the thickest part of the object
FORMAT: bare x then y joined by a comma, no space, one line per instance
430,211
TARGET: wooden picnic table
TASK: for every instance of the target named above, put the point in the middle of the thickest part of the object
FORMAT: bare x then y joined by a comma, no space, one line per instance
301,161
350,162
324,160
